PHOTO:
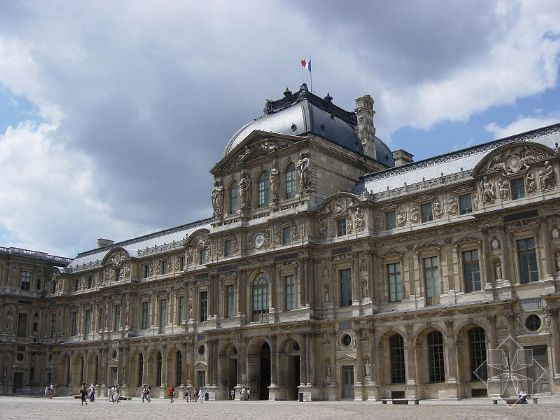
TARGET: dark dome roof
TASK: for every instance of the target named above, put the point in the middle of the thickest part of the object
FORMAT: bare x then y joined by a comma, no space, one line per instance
304,113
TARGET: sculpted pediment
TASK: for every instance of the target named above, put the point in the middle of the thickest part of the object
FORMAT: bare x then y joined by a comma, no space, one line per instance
513,159
116,257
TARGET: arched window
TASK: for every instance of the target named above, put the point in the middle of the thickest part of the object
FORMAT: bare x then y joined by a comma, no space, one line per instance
477,354
262,189
159,381
140,370
435,356
260,297
233,194
178,363
291,180
396,351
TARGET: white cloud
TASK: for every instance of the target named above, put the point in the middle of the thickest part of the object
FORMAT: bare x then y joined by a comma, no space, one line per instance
522,124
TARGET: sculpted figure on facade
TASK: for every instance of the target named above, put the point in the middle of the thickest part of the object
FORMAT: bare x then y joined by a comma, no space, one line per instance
367,368
414,214
401,217
438,210
274,184
218,198
503,188
498,271
557,259
245,191
304,171
531,186
359,219
323,228
487,190
546,176
452,206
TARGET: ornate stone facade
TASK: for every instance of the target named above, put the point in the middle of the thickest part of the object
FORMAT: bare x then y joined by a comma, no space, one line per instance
323,272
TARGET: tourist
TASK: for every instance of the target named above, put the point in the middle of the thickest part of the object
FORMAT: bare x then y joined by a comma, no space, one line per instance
201,394
51,391
91,393
171,393
522,397
232,394
195,395
148,394
243,393
83,393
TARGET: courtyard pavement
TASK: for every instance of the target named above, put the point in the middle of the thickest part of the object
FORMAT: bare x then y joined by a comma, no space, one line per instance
70,409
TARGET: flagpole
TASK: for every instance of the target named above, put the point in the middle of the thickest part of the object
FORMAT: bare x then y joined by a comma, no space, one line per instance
311,73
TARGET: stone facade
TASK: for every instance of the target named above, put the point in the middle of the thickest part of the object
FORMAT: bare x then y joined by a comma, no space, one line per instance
323,273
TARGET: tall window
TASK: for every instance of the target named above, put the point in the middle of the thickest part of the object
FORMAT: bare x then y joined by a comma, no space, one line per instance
286,234
202,255
289,292
233,197
89,282
74,324
426,212
162,314
77,283
390,220
228,248
435,356
181,304
25,280
146,270
345,287
395,285
477,354
53,325
396,352
159,379
291,180
144,318
465,204
164,267
260,297
117,318
517,188
87,322
527,260
203,308
230,296
22,325
431,280
178,366
471,269
140,370
262,189
341,226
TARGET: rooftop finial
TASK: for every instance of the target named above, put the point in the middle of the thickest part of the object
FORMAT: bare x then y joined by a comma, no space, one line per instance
303,87
288,94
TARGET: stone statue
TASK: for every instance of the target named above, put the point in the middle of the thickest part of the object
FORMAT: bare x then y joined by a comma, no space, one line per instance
452,206
326,294
245,191
304,170
488,193
503,187
498,271
546,176
401,217
367,367
323,228
365,289
557,258
414,215
438,210
274,183
359,220
530,182
218,198
328,371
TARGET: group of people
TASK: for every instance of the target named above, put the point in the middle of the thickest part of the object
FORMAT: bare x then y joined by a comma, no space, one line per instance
49,391
195,394
113,394
245,393
146,391
87,393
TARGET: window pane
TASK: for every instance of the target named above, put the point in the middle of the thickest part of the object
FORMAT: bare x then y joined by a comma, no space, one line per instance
435,356
345,287
477,353
426,212
341,227
395,286
289,293
465,204
517,188
233,194
527,260
291,181
396,351
432,280
471,269
390,220
262,189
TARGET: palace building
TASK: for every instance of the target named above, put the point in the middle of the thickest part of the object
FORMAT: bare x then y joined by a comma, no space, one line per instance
332,268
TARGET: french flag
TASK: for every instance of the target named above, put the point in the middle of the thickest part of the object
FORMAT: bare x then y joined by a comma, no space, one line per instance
307,64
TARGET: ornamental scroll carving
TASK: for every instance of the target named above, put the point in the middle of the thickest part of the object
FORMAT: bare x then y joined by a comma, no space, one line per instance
515,160
341,206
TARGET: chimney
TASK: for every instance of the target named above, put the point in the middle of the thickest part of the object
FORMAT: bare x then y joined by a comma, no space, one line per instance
365,127
101,243
402,157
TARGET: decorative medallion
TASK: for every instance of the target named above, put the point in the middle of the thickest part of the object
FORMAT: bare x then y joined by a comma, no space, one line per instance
259,240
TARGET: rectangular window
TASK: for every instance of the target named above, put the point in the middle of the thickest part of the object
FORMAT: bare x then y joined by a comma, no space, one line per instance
233,198
146,270
89,282
517,188
202,256
203,313
182,312
471,270
345,287
527,260
395,285
144,317
77,284
25,280
341,227
87,322
74,324
164,267
22,325
229,301
291,181
228,248
286,234
162,315
117,318
426,212
289,293
182,263
431,280
53,325
465,204
390,220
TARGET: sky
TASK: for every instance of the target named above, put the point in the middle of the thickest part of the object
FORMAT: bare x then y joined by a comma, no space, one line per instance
113,113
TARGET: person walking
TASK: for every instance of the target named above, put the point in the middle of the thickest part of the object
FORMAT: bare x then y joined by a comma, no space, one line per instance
171,393
201,395
149,393
91,393
83,393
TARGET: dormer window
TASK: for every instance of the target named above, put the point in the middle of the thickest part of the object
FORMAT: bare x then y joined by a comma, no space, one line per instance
262,189
517,188
341,225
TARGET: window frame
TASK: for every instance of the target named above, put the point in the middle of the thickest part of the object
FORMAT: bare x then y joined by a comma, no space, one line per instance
397,359
436,356
233,195
390,222
470,283
260,294
341,227
203,306
228,247
290,180
434,299
25,280
290,292
426,217
527,257
397,296
263,189
286,234
517,187
477,353
345,286
465,210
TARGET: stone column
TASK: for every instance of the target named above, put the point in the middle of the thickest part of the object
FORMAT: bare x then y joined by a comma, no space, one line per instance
494,359
411,362
358,384
485,260
372,386
547,258
273,394
452,370
145,366
356,287
163,371
554,345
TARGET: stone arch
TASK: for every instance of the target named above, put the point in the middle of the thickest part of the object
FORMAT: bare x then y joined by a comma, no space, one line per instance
289,370
424,344
469,381
386,364
228,369
93,368
64,371
259,368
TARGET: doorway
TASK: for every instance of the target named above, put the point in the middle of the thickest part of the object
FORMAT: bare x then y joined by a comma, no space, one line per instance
347,382
293,377
265,372
18,380
232,374
114,375
537,371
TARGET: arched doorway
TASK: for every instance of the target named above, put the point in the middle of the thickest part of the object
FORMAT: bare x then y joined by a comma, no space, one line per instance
265,372
227,370
290,361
